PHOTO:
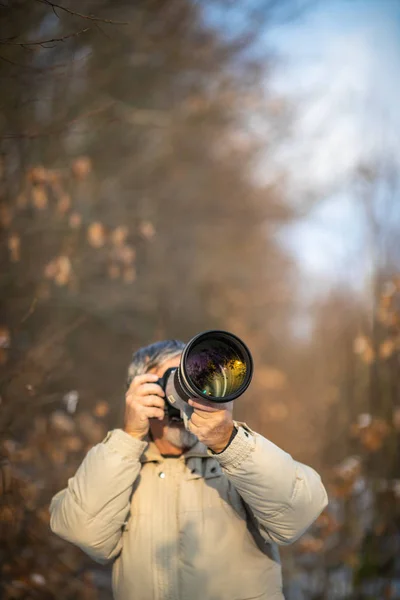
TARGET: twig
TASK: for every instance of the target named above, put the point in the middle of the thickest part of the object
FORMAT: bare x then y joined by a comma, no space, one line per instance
42,42
30,311
101,31
44,69
77,14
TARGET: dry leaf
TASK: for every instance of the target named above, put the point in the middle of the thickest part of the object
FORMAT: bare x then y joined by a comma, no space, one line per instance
81,167
147,230
62,422
37,579
361,343
64,203
364,420
387,348
349,469
14,246
39,197
5,337
126,255
119,235
75,220
101,409
96,235
73,444
368,356
60,270
371,440
37,175
309,543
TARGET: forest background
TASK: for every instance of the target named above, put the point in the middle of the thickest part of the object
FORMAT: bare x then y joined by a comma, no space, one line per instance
168,167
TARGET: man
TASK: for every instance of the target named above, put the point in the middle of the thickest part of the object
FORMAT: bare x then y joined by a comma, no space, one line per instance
186,515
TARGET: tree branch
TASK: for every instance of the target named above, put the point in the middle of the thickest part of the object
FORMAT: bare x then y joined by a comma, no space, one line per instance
44,69
42,42
77,14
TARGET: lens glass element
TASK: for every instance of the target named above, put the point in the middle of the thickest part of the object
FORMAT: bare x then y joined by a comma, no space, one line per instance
217,367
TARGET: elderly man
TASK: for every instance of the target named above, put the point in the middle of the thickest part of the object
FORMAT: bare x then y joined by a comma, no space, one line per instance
186,515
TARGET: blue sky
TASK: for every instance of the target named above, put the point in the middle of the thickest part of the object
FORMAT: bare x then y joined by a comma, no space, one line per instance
340,66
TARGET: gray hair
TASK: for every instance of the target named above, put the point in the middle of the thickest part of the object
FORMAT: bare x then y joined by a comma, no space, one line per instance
151,356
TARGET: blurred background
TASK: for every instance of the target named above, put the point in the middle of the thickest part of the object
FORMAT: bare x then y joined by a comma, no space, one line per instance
168,167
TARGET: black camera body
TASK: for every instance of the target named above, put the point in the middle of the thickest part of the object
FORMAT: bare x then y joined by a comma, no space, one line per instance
173,413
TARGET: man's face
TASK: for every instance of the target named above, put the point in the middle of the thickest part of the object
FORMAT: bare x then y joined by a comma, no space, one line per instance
174,432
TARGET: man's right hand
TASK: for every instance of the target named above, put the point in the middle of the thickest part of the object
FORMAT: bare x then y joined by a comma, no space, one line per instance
144,400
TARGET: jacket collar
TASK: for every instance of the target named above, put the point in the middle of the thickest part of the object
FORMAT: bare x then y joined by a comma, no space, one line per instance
152,453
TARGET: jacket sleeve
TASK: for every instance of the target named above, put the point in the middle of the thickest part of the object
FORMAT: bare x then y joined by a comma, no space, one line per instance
284,496
91,511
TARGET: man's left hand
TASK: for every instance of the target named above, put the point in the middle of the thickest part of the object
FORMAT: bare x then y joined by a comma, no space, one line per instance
212,423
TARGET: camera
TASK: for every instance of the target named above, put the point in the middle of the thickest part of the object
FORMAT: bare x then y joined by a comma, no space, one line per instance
215,365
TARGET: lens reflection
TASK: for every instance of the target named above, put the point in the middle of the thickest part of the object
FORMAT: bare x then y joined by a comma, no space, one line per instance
216,368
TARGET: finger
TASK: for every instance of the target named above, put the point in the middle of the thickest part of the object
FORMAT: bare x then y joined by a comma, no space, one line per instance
152,412
192,427
202,415
197,420
150,388
144,378
207,406
152,401
203,405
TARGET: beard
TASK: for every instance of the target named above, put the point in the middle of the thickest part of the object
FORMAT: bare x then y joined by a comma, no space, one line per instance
179,436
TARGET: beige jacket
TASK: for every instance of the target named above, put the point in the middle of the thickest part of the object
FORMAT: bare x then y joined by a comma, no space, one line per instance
197,527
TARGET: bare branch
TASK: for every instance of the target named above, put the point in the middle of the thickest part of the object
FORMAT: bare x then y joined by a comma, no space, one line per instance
30,311
42,42
77,14
101,31
44,69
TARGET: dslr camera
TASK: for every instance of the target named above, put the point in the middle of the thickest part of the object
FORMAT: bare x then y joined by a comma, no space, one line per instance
215,365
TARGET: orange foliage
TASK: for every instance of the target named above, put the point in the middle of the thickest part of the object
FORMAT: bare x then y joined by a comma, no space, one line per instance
96,235
81,167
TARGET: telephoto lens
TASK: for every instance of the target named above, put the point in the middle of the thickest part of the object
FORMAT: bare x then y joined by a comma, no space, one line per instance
215,365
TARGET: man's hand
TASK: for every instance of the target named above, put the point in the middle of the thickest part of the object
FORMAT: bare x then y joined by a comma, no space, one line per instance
144,400
212,423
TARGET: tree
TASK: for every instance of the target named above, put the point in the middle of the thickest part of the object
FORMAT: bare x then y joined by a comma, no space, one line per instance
128,214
